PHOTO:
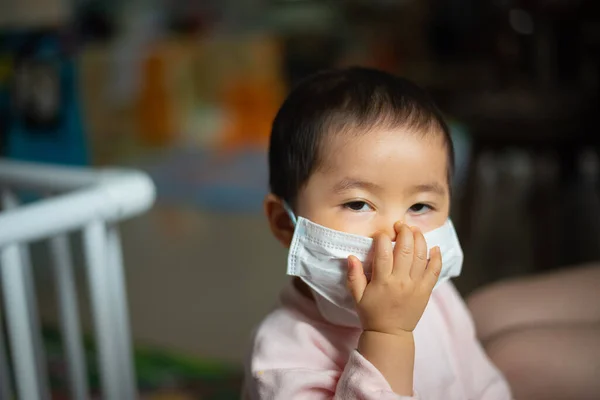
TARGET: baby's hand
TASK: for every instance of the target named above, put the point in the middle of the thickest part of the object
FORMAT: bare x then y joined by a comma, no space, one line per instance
401,282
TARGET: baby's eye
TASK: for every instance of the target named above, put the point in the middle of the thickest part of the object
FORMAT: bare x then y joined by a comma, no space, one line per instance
360,206
420,208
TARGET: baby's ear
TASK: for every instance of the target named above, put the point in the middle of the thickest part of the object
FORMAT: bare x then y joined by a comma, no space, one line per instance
279,221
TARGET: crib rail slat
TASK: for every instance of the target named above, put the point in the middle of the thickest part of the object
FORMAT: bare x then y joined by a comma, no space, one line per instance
69,317
6,391
120,307
95,248
38,347
10,202
18,322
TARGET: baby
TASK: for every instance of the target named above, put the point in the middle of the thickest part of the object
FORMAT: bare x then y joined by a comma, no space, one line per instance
360,169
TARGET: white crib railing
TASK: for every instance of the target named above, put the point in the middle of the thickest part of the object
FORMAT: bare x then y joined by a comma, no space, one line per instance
78,199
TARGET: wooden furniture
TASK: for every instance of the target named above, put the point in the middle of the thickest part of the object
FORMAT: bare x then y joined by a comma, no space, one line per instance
557,123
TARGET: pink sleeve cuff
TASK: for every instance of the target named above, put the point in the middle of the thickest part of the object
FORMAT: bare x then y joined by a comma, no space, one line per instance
361,380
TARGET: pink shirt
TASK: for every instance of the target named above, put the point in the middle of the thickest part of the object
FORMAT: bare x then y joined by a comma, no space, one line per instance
296,354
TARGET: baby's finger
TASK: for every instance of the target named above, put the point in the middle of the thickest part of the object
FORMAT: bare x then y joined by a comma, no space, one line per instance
434,268
420,257
404,252
382,257
357,281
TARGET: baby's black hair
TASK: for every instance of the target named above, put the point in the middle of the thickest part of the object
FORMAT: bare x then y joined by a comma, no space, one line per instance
350,101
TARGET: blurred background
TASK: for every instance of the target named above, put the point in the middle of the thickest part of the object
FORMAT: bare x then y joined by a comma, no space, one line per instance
187,90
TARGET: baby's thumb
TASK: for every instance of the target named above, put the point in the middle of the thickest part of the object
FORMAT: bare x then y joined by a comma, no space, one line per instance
357,281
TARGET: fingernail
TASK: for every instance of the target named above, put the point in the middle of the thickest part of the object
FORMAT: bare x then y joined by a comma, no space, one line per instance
350,263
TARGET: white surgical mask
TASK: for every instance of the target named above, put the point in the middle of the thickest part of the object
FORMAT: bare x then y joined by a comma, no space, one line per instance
319,256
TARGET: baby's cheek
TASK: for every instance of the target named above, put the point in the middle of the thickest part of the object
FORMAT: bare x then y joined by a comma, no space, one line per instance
357,227
347,221
426,222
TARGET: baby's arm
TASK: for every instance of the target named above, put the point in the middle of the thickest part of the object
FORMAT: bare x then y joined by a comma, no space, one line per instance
295,359
393,355
391,304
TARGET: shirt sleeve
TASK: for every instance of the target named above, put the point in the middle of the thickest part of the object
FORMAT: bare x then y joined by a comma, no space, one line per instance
358,380
297,362
479,376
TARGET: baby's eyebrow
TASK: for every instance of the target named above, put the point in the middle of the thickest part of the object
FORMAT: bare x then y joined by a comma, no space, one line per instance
352,183
433,187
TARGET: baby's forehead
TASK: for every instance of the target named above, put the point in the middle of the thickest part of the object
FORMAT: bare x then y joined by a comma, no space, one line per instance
364,145
387,158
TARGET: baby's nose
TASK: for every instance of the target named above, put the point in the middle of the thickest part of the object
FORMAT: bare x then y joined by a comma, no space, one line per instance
391,229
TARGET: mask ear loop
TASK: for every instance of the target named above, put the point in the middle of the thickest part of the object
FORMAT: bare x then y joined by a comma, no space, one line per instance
290,212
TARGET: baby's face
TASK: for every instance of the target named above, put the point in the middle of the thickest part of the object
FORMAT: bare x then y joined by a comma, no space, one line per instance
365,184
